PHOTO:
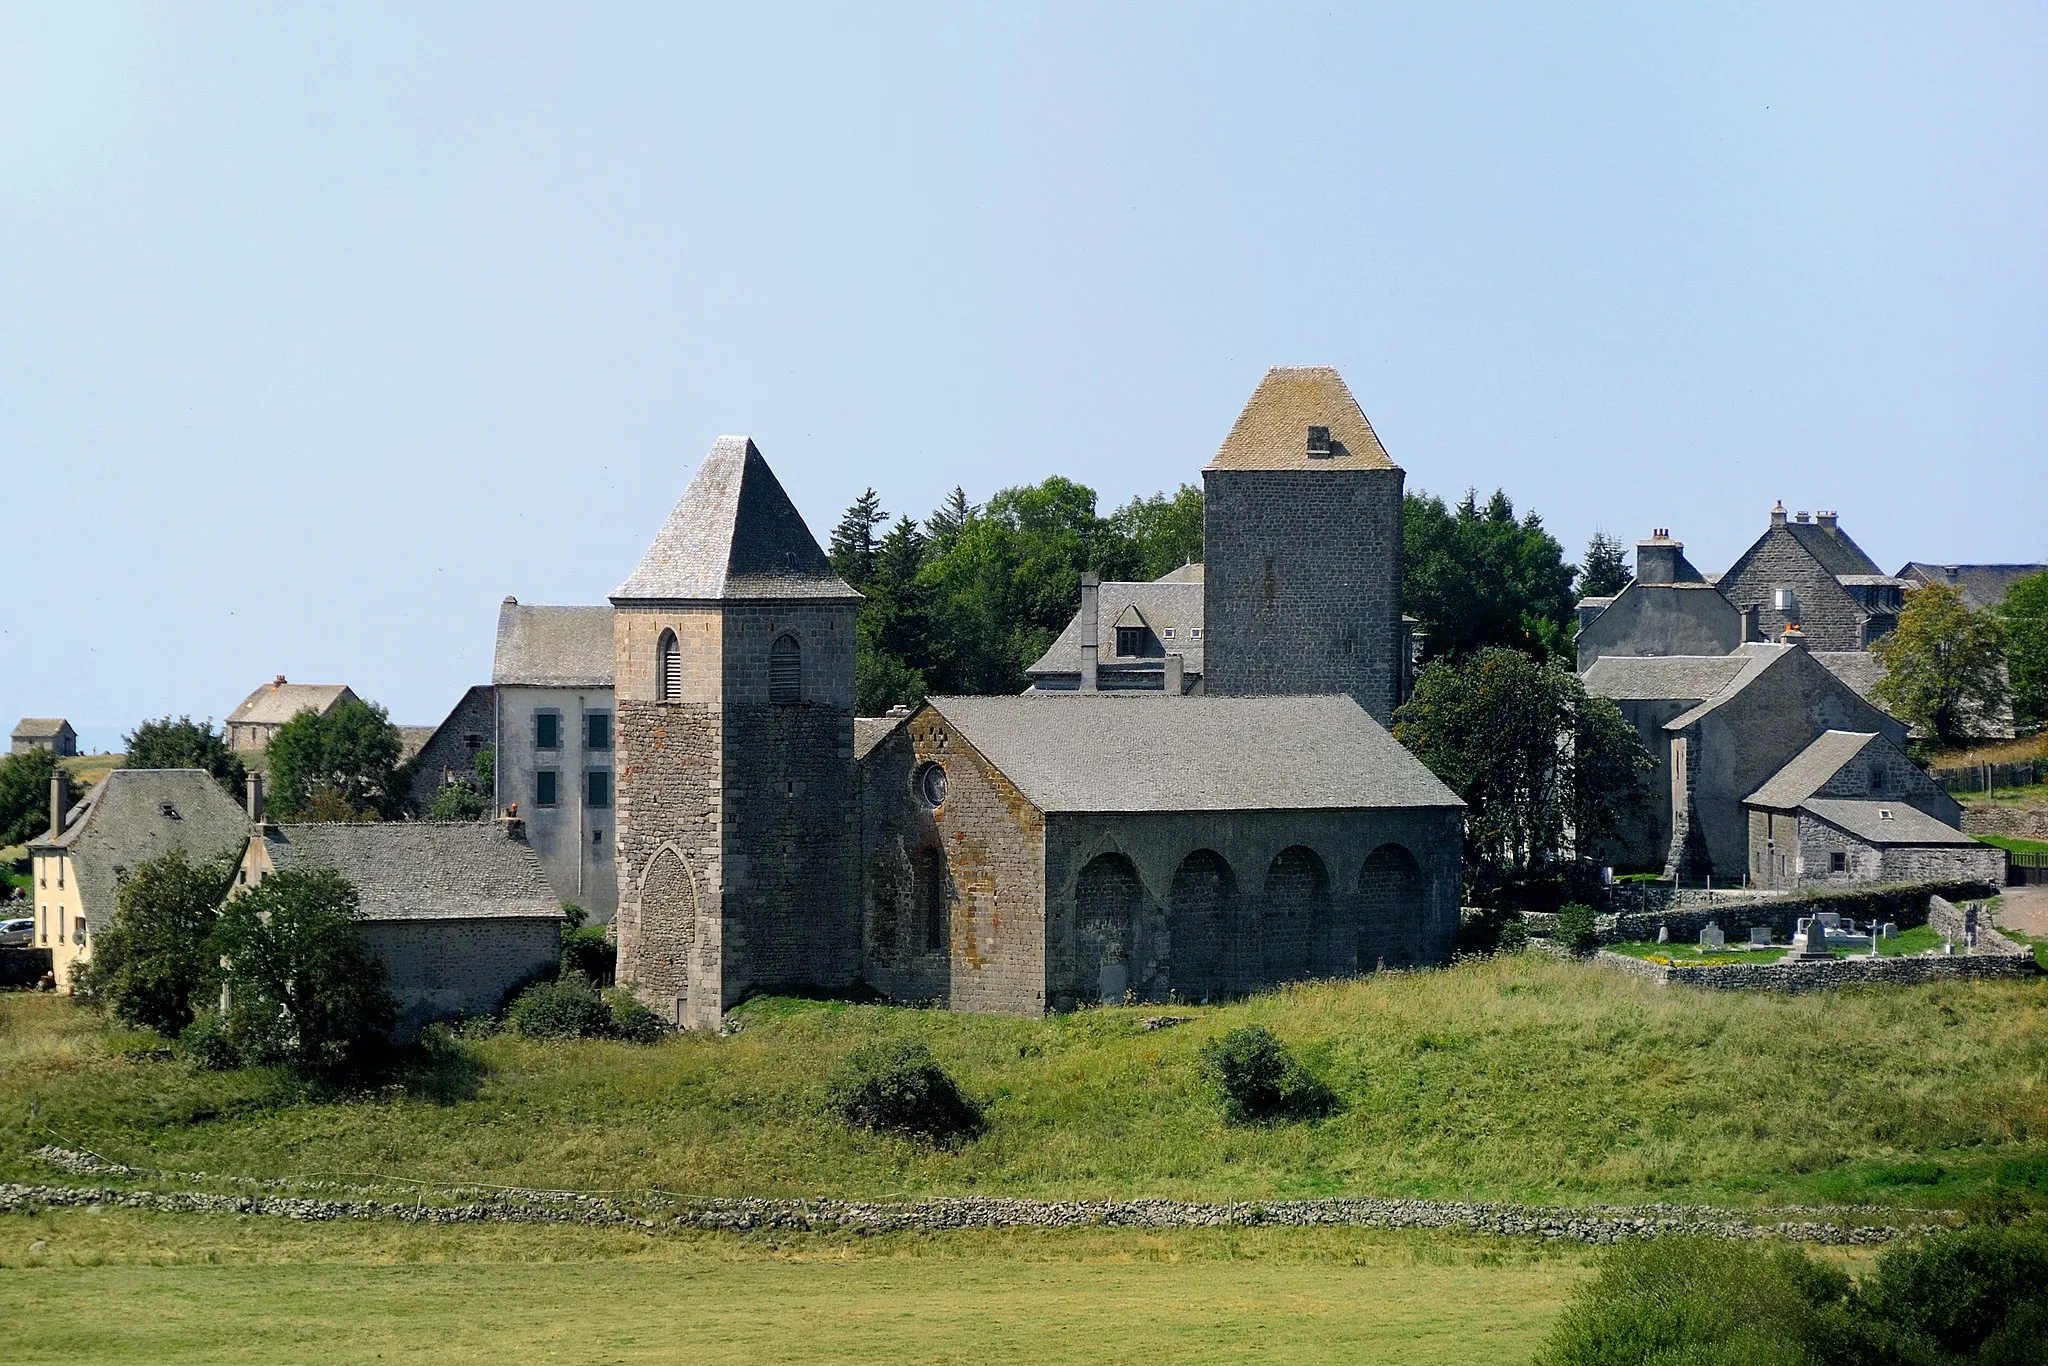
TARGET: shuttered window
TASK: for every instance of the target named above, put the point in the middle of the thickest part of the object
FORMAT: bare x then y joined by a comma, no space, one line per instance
669,668
786,671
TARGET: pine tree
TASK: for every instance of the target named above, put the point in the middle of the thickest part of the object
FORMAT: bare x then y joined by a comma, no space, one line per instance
1605,571
853,540
944,526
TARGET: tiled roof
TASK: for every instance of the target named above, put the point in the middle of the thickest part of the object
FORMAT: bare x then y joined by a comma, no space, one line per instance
1756,657
41,728
423,870
1868,821
1982,585
1810,769
137,814
1836,552
1678,678
869,731
1862,670
273,704
1165,606
1129,752
1272,431
553,647
1187,573
734,534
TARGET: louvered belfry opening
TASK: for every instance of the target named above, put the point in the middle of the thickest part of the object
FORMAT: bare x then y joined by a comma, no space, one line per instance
669,668
786,670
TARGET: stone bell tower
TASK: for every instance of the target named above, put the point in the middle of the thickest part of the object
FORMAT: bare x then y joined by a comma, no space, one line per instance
738,829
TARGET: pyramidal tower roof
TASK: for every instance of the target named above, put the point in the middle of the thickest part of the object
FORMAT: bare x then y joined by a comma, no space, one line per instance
1273,431
734,534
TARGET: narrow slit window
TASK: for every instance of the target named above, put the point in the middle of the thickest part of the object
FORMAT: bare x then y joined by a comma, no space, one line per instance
786,670
669,668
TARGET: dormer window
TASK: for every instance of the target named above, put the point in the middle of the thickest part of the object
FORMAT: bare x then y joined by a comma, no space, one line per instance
1130,641
1319,443
170,812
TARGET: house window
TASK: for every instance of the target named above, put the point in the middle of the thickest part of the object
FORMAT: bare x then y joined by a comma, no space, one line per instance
597,730
668,668
1194,633
78,932
1838,863
547,730
1784,600
1130,641
544,787
1877,780
597,787
1168,633
786,670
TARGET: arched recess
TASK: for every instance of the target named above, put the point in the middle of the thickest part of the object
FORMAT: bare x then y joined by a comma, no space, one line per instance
1201,915
1393,903
892,895
786,670
1296,910
668,931
934,901
1107,901
668,668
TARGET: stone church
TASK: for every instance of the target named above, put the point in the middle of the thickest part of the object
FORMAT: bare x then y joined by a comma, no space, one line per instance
1036,852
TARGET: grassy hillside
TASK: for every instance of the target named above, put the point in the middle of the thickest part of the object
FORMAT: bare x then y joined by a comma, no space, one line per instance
1515,1078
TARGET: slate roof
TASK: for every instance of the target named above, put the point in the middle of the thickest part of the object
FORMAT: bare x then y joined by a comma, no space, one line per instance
1272,431
1905,824
1862,670
1681,678
1755,657
1811,769
40,728
869,731
1164,605
1837,554
1131,752
123,822
1187,573
273,704
553,647
1982,585
734,534
413,739
423,870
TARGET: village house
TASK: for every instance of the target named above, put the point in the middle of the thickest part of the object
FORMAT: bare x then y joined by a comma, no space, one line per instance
53,733
450,752
1810,574
250,726
1983,586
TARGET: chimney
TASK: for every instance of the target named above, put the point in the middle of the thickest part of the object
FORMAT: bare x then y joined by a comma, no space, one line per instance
1827,522
1752,628
1091,608
278,682
1778,514
255,799
510,823
60,800
1792,637
1948,571
1799,517
1319,443
1657,558
1176,675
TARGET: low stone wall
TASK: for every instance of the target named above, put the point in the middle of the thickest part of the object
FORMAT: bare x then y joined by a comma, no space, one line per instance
2018,822
1903,904
1795,978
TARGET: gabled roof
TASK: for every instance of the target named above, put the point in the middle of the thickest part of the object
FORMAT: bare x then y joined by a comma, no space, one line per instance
734,534
1862,670
1167,605
1676,678
275,703
137,814
553,647
1187,573
423,870
1811,769
1982,585
1837,554
41,728
1876,822
1756,659
1272,431
1129,752
869,731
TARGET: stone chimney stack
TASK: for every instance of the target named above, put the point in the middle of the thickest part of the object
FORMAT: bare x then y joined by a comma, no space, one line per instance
1827,522
1752,627
1657,558
1176,675
511,824
1799,517
1091,610
254,787
1778,514
60,800
1792,637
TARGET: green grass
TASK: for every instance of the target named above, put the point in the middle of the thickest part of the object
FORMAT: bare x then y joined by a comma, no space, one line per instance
2012,844
1691,955
2034,795
1512,1078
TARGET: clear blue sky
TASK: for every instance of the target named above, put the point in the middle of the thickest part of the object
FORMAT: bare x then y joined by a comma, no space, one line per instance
324,328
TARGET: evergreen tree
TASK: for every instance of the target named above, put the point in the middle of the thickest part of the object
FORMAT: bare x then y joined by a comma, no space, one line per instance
945,525
1605,571
1477,576
853,540
185,743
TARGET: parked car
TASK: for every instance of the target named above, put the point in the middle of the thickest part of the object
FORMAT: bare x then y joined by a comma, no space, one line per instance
17,934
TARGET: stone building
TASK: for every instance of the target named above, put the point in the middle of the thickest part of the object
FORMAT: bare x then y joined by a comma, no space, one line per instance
738,811
1853,807
1668,608
1983,586
451,750
250,726
132,816
1043,852
1809,574
459,914
53,733
1143,635
556,744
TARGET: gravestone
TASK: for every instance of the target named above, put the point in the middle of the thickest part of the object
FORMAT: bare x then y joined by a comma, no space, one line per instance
1712,937
1891,929
1663,933
1760,936
1831,919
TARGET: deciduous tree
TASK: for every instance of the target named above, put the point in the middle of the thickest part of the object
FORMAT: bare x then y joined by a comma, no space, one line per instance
153,959
1477,576
25,795
185,743
1944,665
341,766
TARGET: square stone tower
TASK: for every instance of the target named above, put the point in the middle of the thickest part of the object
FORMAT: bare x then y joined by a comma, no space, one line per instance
1301,532
738,821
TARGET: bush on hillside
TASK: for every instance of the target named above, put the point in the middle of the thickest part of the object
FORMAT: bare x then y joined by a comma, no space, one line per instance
568,1009
899,1087
1260,1081
207,1043
1575,929
152,961
632,1021
1977,1294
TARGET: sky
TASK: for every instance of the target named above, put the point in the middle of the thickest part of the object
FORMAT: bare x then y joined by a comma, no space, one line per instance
322,329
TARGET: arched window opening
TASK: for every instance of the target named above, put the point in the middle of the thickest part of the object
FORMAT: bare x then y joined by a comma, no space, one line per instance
1393,897
1296,914
668,683
1201,925
1107,901
932,886
786,670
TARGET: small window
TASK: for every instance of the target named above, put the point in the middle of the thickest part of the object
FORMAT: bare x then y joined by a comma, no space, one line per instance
1195,633
547,730
597,730
597,788
1838,863
1168,633
1877,780
668,668
786,670
78,932
1130,641
931,784
544,787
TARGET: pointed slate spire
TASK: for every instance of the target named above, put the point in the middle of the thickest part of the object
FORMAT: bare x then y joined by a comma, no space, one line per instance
734,534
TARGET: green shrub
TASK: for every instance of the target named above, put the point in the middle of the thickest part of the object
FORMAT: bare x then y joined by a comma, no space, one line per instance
208,1043
1977,1293
1695,1301
899,1087
1514,935
568,1009
1260,1081
588,954
1575,929
632,1021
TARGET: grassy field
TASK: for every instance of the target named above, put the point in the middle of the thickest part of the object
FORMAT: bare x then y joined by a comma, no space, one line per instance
1512,1078
2015,844
224,1289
